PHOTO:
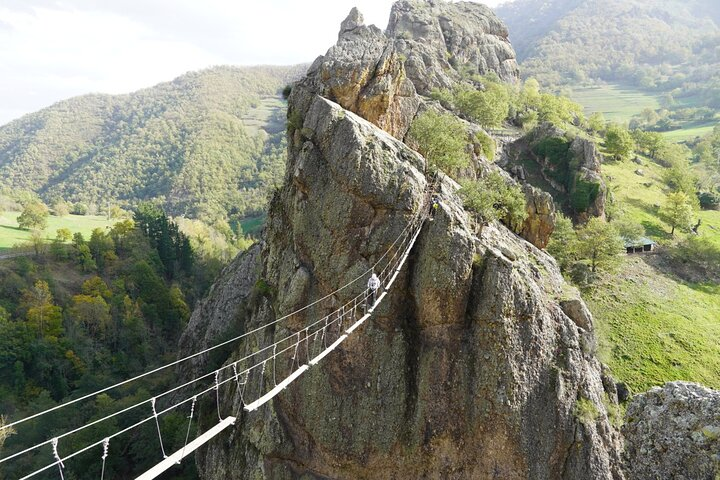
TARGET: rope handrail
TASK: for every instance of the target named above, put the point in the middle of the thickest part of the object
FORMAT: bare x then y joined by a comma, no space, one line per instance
338,315
209,349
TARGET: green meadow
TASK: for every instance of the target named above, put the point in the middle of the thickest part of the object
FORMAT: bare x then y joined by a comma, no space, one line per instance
617,103
264,116
642,198
653,327
11,235
620,103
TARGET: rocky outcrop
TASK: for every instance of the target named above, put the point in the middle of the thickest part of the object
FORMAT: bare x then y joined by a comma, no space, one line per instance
569,167
442,40
219,315
587,187
540,221
364,73
427,45
673,432
473,331
471,367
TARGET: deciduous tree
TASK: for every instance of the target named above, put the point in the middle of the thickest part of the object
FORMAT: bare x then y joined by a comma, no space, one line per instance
679,211
563,241
619,142
34,216
599,243
441,139
494,198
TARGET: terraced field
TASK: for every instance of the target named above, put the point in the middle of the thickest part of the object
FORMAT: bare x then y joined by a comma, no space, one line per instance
618,104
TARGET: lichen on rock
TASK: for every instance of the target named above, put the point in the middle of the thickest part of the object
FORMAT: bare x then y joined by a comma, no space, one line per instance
673,432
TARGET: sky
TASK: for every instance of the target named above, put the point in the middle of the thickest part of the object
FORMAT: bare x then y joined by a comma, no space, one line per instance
55,49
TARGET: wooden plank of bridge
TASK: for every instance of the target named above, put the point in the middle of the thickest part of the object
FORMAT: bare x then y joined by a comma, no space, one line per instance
278,388
329,349
175,458
357,324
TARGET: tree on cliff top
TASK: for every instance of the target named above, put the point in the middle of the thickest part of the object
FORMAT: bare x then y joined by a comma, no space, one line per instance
441,139
494,198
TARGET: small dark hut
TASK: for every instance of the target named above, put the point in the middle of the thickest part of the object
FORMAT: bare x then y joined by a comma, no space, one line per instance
640,245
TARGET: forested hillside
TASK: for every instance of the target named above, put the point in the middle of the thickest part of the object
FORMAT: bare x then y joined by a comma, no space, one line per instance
667,45
207,144
85,312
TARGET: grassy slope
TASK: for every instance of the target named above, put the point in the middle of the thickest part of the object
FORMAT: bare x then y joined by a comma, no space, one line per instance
640,201
11,235
653,327
619,103
264,116
253,225
690,131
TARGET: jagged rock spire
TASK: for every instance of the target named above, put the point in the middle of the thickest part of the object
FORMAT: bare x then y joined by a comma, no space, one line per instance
354,20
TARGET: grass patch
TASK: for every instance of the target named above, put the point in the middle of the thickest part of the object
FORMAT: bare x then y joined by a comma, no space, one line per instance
617,103
253,225
640,197
653,329
268,116
615,412
11,235
690,131
585,411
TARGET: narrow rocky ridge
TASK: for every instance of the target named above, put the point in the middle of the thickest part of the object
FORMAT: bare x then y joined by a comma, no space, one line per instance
474,365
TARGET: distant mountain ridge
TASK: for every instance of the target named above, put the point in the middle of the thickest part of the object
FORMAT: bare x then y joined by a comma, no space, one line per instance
669,45
204,144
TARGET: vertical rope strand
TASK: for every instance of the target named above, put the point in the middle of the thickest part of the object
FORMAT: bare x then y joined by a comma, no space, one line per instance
57,457
240,386
307,345
295,352
262,378
106,446
217,393
187,433
157,424
273,357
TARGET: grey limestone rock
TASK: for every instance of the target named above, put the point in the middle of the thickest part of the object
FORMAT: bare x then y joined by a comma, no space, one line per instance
470,369
441,40
673,432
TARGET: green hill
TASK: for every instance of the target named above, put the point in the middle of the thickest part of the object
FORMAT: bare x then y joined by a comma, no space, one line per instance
623,57
206,145
664,43
657,323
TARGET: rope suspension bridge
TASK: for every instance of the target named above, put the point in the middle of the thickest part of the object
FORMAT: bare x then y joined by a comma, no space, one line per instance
254,376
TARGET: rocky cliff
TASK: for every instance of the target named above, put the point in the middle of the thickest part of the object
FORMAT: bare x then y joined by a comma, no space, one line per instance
480,359
674,432
568,166
442,41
